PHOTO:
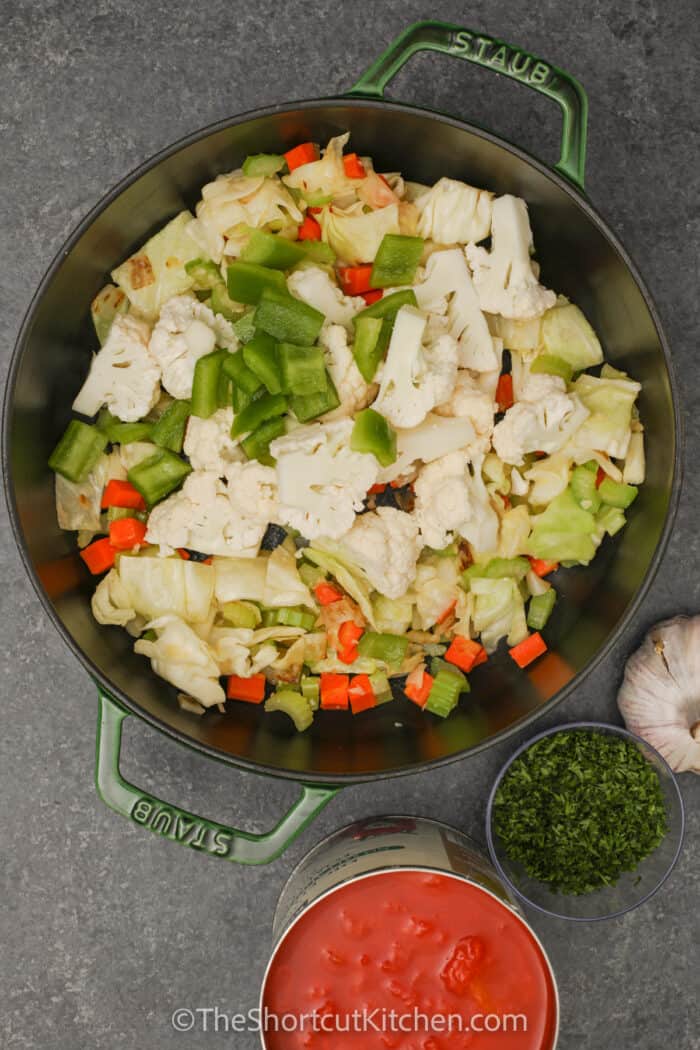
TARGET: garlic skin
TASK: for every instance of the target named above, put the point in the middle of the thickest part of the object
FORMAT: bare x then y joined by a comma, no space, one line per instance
660,695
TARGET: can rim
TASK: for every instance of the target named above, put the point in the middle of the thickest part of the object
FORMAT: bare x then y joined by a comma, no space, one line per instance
412,868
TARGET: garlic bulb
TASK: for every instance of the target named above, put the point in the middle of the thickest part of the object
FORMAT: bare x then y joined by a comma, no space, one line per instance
660,695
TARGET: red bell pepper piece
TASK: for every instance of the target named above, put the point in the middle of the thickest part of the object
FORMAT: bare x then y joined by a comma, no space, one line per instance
349,633
303,154
418,686
309,230
251,689
334,691
122,494
184,554
326,593
354,168
540,567
354,280
99,556
600,477
450,609
504,392
465,653
372,296
126,533
529,649
361,694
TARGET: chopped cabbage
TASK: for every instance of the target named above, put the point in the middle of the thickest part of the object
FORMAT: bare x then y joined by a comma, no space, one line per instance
159,586
610,402
393,615
111,603
499,612
564,532
157,272
183,659
549,477
355,235
567,334
239,579
332,558
283,584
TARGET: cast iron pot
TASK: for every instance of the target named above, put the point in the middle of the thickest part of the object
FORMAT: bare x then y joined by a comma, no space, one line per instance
580,257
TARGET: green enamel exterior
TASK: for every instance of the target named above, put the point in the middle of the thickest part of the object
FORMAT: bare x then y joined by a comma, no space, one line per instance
179,825
499,57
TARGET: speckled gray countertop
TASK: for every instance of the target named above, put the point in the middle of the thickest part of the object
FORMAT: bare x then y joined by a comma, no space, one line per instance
106,929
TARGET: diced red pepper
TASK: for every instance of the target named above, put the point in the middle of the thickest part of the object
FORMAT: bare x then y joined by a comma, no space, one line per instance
354,280
448,611
372,296
482,658
529,649
540,567
184,554
465,653
251,689
504,392
326,593
354,168
376,489
384,181
600,477
506,501
122,494
306,153
207,561
361,694
309,230
349,633
315,211
334,691
418,686
99,556
126,533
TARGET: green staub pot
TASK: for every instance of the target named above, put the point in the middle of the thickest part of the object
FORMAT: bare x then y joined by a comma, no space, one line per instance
579,256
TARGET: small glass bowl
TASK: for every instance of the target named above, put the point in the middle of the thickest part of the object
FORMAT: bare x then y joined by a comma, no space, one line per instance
633,887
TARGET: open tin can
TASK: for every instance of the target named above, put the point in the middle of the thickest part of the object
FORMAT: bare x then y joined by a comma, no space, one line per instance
408,915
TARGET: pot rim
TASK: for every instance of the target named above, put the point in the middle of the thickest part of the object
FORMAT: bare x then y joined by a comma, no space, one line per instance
127,702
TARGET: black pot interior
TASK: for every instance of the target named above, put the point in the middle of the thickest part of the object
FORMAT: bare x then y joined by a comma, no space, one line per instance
578,259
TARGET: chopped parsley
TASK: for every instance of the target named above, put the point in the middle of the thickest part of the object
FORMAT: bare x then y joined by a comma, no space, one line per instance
579,808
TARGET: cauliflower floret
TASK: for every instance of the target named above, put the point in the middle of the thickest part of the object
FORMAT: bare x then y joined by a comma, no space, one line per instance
234,202
182,658
321,481
203,517
452,212
209,444
186,331
415,378
533,386
386,545
504,277
123,375
353,391
315,287
451,498
446,277
432,439
541,425
253,487
469,400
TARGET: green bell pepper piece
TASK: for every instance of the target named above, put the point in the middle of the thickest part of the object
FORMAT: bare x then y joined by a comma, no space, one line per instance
258,412
169,431
158,475
372,336
287,319
244,327
205,273
309,406
303,368
318,252
222,303
205,384
247,281
260,355
257,444
78,450
388,306
269,249
396,260
372,434
125,433
265,164
243,377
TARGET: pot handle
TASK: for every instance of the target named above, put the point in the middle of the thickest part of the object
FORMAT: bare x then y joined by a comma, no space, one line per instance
179,825
500,57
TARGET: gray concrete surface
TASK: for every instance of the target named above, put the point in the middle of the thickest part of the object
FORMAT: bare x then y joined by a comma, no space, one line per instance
107,929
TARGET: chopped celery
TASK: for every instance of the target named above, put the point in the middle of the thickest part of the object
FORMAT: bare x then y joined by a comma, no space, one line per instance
583,486
205,384
289,616
244,327
373,435
287,319
269,249
396,260
264,164
311,690
205,274
444,694
540,608
372,336
617,494
78,450
241,614
389,648
316,198
497,569
169,431
388,306
611,520
381,687
257,444
222,303
552,366
158,475
309,406
437,664
259,411
293,704
260,356
117,513
247,281
303,368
